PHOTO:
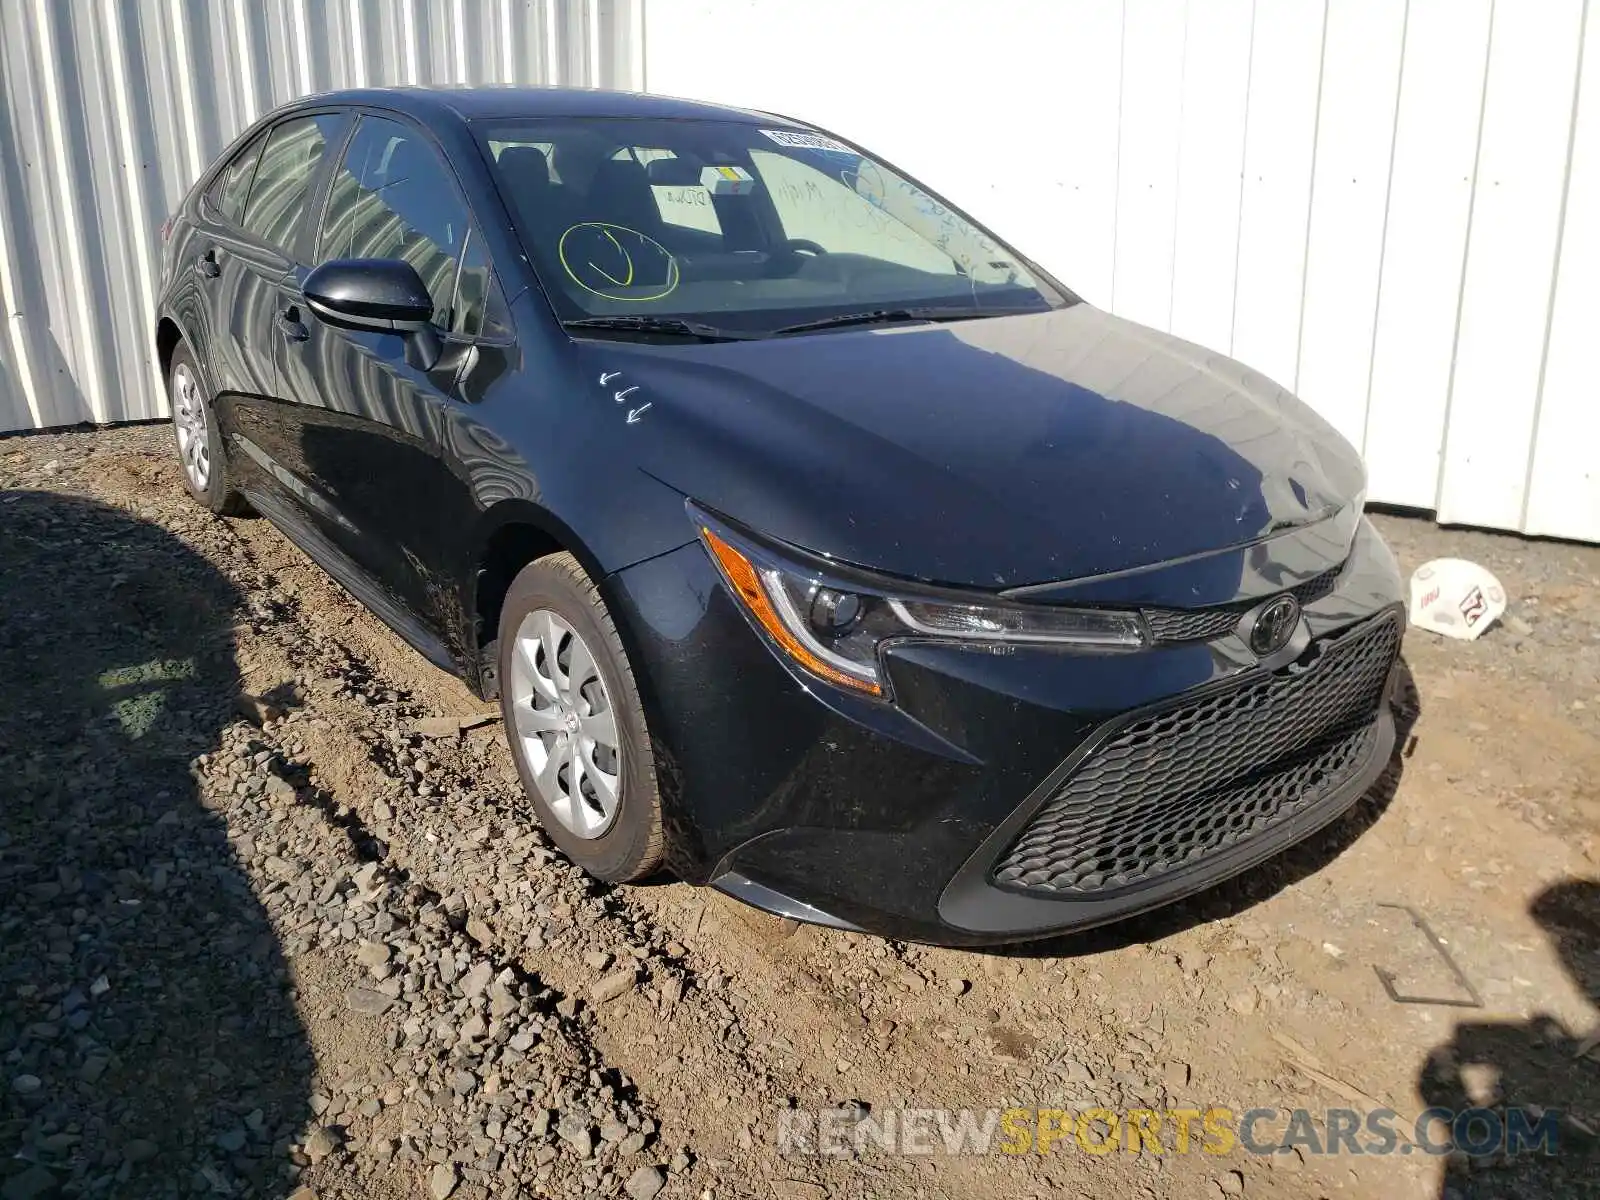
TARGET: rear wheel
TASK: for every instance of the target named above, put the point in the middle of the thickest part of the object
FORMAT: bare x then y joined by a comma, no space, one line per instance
199,442
575,724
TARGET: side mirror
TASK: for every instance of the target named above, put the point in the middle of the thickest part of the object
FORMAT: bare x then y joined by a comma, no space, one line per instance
383,295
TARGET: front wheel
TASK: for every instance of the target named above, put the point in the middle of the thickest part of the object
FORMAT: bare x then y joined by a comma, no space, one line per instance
575,724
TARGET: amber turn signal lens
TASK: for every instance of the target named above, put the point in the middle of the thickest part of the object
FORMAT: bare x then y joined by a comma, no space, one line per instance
741,573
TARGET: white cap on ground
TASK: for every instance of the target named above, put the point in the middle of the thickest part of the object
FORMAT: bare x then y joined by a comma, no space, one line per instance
1455,597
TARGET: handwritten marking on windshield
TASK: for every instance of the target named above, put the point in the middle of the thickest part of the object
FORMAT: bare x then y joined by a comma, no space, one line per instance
635,413
607,376
626,258
614,242
625,393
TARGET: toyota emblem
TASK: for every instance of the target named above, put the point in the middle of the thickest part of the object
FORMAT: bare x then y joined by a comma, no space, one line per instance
1275,625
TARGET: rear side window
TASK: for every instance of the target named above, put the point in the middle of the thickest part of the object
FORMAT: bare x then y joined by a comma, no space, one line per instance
392,197
282,181
230,188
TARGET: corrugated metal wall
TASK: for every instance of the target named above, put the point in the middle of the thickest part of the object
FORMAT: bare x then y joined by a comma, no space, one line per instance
110,109
1391,206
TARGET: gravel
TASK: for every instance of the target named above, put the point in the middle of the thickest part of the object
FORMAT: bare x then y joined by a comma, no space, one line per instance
442,1181
645,1183
147,1004
613,986
183,888
275,919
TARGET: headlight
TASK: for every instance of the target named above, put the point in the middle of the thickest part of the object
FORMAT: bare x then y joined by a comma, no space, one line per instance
833,627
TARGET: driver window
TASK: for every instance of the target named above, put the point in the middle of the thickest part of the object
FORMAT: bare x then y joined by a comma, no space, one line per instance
393,198
835,213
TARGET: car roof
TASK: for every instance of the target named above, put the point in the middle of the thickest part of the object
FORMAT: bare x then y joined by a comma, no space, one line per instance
488,103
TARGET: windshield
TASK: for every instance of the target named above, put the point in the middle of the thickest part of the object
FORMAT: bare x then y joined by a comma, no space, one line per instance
741,228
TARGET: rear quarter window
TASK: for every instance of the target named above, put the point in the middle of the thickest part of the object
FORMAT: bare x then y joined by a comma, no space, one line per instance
232,184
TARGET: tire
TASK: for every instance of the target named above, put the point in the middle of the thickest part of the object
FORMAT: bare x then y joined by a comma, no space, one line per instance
628,843
201,457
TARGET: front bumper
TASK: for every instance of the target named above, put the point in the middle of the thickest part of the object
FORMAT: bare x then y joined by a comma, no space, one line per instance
905,819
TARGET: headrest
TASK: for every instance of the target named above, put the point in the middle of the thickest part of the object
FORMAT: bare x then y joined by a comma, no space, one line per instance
622,175
404,161
621,194
673,172
574,161
525,167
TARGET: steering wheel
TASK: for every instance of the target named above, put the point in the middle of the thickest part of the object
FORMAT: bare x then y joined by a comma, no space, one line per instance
806,245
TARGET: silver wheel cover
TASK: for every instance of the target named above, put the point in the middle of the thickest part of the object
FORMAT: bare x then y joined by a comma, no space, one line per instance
565,724
189,419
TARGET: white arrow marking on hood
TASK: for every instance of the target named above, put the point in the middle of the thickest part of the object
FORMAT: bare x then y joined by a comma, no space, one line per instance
607,376
633,414
625,393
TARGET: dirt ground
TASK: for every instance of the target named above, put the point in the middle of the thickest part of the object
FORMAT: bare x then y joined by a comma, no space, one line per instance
274,920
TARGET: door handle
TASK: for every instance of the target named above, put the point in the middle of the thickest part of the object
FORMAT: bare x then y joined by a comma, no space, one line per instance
290,325
206,265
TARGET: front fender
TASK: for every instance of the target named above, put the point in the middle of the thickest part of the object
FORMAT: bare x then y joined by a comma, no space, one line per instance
512,532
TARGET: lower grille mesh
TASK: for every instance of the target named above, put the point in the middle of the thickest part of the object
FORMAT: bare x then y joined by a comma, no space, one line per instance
1175,785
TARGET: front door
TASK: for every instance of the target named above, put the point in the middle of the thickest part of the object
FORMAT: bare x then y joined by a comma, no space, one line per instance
368,418
251,267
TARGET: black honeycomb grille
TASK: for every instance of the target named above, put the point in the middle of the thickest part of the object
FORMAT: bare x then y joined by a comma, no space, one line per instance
1203,624
1173,786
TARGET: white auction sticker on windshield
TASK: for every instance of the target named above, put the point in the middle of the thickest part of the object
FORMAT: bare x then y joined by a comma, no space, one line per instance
727,181
802,140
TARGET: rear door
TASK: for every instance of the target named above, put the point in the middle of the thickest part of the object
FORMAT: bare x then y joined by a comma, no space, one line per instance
251,264
369,421
215,257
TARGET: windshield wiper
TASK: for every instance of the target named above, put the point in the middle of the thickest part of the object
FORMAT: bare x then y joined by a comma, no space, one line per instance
880,316
669,325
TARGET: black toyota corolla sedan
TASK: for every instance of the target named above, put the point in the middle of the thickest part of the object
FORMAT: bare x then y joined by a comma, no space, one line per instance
817,545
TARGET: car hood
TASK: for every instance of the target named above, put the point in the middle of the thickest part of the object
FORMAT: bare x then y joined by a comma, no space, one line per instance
989,453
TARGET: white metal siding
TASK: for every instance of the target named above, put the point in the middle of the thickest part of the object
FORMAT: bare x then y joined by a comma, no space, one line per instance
1390,206
110,109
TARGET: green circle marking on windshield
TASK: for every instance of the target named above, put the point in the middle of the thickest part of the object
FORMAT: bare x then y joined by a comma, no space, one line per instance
597,256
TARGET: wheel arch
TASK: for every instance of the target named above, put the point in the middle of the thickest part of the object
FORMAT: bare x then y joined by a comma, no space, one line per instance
514,533
517,532
168,336
181,326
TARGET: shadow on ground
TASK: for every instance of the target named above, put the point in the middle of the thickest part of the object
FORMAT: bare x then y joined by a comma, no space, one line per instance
148,1046
1498,1083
